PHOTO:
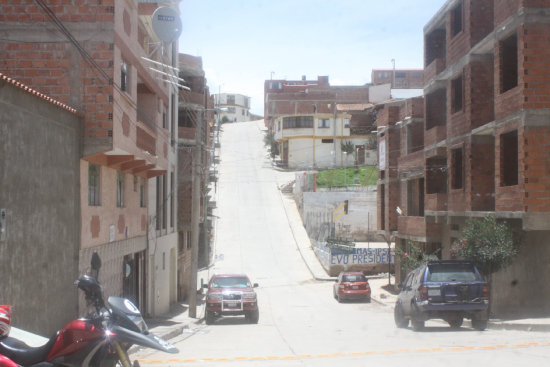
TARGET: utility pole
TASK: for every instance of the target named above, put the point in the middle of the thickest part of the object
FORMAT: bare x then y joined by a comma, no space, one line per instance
195,216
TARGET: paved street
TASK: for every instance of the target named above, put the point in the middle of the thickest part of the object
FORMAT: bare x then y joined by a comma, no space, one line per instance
300,322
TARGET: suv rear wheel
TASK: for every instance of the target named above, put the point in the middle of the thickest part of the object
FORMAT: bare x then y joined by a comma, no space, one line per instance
399,317
418,325
479,324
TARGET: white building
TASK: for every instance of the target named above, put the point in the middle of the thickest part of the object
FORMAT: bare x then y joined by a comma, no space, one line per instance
316,141
234,107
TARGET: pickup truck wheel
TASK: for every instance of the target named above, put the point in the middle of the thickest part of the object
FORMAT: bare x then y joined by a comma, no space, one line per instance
456,322
418,325
209,318
479,324
399,317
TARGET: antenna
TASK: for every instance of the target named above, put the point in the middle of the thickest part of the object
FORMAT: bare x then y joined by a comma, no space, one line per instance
167,24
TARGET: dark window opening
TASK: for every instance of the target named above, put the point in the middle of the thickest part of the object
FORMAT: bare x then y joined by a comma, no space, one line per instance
457,92
509,63
327,141
436,175
296,122
435,44
509,158
457,167
456,20
230,99
436,113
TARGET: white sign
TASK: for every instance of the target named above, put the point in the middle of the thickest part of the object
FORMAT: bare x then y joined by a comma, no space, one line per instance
382,154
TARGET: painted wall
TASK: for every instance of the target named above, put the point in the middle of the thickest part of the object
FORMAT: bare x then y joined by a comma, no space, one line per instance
359,223
39,175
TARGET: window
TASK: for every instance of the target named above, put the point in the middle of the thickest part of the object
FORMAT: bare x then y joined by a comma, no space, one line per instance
230,99
400,74
456,94
141,193
323,123
457,167
120,189
346,123
172,188
93,185
327,141
188,237
164,117
509,158
164,204
509,63
275,85
124,76
159,202
298,122
456,20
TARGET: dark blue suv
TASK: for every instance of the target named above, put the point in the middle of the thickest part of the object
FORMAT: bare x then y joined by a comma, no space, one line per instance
448,289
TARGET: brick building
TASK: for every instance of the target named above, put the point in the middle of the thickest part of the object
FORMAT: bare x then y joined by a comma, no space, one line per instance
97,58
485,142
195,108
312,119
399,78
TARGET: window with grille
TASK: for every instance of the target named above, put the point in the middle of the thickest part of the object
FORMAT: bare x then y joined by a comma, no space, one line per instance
93,185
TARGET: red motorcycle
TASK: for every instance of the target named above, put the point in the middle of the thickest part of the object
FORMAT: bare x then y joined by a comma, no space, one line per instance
101,339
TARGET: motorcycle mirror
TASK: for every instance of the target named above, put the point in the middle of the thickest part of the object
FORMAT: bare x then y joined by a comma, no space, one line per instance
96,262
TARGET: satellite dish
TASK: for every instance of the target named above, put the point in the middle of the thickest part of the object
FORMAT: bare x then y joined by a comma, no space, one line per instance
167,24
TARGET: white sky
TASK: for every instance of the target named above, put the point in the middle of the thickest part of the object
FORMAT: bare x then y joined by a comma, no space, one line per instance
243,42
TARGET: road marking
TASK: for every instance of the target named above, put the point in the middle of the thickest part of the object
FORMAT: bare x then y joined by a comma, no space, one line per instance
351,354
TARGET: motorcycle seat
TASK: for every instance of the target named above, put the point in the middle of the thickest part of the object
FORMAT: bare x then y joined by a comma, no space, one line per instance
24,355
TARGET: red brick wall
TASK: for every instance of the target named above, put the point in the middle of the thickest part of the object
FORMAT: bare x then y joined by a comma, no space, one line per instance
535,58
505,9
57,68
536,168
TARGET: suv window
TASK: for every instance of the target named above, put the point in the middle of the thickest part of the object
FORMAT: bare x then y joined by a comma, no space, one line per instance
451,273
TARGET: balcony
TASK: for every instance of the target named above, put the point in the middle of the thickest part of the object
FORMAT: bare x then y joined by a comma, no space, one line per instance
192,97
411,162
186,133
411,226
435,135
433,69
435,202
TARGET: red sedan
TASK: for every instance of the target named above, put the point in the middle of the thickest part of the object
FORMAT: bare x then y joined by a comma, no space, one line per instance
351,285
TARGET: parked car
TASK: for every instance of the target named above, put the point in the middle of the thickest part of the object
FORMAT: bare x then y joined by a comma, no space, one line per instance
448,289
230,295
351,285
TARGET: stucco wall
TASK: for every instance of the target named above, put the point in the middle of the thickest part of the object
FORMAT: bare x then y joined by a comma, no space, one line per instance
39,174
359,223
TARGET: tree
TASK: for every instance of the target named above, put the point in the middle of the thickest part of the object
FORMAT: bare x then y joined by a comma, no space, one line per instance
491,245
271,144
349,148
414,257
